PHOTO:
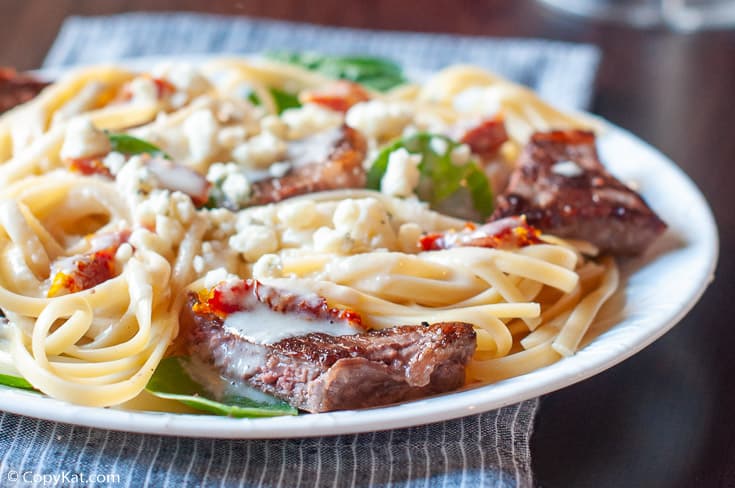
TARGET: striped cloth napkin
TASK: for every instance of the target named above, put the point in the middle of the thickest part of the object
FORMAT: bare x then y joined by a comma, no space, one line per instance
489,449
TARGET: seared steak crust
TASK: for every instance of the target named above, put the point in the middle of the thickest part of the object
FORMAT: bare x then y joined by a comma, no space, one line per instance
342,169
318,372
562,188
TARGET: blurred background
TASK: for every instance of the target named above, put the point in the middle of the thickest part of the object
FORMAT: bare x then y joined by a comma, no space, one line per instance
664,417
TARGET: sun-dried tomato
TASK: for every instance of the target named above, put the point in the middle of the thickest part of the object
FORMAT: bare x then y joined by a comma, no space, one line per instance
339,96
164,88
89,166
512,232
486,137
243,295
88,270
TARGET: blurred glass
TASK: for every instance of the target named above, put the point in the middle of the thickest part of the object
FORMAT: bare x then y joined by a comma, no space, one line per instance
683,15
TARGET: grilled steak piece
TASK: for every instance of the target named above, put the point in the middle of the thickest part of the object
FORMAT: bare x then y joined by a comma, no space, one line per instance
17,88
319,372
339,167
562,188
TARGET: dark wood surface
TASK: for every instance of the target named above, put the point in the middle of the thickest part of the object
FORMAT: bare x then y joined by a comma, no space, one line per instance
665,417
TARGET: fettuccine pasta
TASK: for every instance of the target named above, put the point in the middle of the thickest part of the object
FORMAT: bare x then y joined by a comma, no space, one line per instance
99,245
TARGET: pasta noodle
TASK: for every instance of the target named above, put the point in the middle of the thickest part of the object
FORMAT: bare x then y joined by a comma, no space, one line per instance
144,245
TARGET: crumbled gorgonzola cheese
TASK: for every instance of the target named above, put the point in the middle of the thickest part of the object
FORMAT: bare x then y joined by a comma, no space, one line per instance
182,207
216,254
188,81
260,151
169,229
219,171
221,223
169,213
253,241
460,155
143,90
359,225
310,119
301,214
236,188
260,215
438,145
379,119
481,99
230,137
114,162
135,178
231,179
201,129
333,241
268,266
231,111
402,174
83,140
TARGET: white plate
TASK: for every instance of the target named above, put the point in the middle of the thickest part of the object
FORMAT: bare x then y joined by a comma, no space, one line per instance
659,290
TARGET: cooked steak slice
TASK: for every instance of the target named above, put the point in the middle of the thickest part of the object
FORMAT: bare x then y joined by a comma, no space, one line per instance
562,188
340,166
319,372
17,88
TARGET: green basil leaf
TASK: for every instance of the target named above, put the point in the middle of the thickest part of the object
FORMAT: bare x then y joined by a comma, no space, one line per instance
284,100
463,191
127,144
479,187
254,98
15,382
375,73
171,381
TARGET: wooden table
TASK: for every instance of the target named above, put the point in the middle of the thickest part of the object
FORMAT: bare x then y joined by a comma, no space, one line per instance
665,417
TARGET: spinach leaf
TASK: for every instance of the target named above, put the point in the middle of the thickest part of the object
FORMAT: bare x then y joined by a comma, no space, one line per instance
375,73
460,190
254,98
284,100
127,144
171,381
15,382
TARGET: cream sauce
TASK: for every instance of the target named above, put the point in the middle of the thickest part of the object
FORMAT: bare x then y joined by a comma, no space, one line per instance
263,326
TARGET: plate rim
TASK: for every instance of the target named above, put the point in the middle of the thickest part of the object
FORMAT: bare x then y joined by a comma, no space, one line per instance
417,412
